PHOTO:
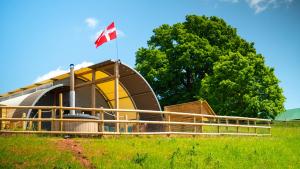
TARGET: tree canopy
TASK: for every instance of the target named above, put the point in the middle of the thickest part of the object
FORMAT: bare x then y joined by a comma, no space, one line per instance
205,58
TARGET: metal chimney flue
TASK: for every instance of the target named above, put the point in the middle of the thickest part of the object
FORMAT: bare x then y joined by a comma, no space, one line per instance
72,89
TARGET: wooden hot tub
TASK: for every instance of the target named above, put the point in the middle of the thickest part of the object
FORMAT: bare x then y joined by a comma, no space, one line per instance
78,126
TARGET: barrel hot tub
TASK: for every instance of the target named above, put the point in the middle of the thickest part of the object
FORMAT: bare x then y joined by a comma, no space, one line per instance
78,126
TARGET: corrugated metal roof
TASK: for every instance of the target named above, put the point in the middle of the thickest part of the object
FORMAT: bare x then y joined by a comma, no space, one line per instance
288,115
134,91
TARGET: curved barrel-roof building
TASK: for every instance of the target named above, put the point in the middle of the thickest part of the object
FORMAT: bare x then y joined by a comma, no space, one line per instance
134,91
289,115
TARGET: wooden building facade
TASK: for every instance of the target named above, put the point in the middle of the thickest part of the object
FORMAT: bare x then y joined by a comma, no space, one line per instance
197,107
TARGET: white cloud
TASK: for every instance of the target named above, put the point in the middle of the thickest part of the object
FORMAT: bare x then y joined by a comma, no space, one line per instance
120,33
91,22
50,74
83,64
60,71
232,1
262,5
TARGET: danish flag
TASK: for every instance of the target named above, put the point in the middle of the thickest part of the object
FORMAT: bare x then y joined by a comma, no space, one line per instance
107,35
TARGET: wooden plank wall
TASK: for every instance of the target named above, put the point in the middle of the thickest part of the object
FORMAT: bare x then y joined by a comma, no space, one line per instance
197,107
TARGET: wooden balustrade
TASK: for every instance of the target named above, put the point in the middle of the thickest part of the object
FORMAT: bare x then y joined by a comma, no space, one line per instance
198,124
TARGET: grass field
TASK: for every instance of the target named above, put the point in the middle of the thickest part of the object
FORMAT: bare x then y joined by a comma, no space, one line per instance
281,150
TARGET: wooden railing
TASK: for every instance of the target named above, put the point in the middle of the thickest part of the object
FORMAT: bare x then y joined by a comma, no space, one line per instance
200,124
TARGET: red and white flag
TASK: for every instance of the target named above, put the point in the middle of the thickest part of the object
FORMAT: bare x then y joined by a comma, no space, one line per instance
107,35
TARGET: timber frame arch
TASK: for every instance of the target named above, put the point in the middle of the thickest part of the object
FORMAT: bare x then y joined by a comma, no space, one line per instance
134,91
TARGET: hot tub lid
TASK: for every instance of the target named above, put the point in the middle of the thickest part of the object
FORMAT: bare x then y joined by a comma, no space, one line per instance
80,116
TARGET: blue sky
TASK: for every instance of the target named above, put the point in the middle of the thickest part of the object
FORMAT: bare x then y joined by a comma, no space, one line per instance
38,37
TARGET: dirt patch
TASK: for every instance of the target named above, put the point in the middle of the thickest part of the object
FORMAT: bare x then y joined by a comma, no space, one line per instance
77,151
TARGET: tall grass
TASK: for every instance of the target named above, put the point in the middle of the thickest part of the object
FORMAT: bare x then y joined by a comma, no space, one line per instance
281,150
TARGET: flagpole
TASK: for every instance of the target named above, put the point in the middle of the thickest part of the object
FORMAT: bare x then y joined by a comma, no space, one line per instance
117,48
108,34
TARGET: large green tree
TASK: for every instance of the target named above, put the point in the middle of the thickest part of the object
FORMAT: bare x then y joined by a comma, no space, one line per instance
181,61
243,86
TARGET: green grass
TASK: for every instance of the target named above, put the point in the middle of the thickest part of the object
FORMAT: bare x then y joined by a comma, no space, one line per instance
281,150
32,151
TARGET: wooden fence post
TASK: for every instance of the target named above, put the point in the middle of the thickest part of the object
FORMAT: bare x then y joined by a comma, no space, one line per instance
102,124
218,121
24,122
6,122
39,120
169,120
201,127
269,124
227,125
117,124
11,123
237,127
61,111
1,116
53,116
137,124
99,123
248,123
193,124
30,125
195,127
255,129
126,124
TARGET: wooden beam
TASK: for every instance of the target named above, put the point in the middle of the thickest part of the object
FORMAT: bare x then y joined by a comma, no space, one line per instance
200,127
30,125
96,69
195,121
54,79
38,84
1,116
53,116
131,133
61,111
237,127
134,111
116,73
102,124
138,124
126,124
218,121
227,124
84,73
93,92
24,122
102,80
248,123
40,118
169,120
201,119
132,121
269,124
